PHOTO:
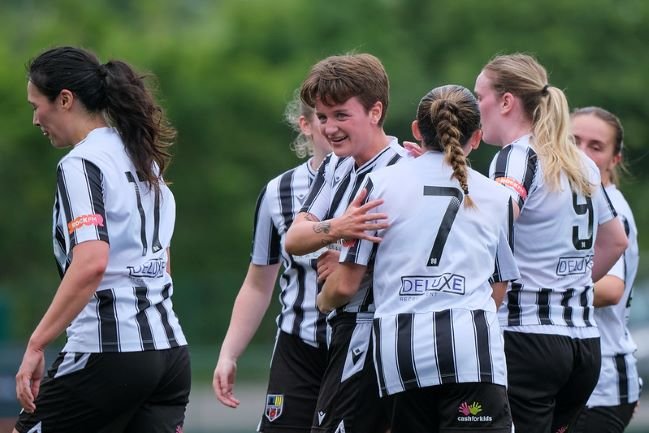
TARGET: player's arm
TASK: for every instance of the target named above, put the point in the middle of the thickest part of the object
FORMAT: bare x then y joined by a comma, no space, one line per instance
498,293
249,309
308,234
340,286
608,291
610,244
89,261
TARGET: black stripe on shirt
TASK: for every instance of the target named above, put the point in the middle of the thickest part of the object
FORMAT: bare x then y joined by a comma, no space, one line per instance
623,378
353,250
482,345
444,346
297,307
95,183
608,201
108,331
510,224
530,172
140,209
405,360
377,355
286,197
337,199
514,305
583,301
317,184
357,183
165,318
394,160
274,239
567,309
500,170
156,245
543,302
143,302
65,201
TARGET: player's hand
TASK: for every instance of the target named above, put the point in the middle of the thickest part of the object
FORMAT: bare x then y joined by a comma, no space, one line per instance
356,222
327,263
29,377
223,382
413,149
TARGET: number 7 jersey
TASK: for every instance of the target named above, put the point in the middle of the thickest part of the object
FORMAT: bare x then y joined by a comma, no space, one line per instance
554,238
100,196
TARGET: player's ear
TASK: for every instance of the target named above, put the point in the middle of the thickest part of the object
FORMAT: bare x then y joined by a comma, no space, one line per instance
415,130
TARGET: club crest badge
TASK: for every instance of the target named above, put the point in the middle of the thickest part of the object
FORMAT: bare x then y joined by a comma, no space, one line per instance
274,406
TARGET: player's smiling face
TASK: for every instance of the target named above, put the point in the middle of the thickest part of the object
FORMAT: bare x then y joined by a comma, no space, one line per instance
47,115
347,126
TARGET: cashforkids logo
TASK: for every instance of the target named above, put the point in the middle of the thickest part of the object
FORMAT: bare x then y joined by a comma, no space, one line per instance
471,412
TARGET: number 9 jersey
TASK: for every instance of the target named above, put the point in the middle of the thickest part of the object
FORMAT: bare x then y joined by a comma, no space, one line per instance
554,238
100,196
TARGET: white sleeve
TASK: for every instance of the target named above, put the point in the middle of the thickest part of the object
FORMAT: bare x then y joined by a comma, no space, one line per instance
80,189
266,243
606,211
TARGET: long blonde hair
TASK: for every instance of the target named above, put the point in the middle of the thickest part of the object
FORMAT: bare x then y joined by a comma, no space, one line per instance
547,108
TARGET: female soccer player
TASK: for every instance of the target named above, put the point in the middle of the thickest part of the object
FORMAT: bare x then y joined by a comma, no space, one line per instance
610,407
125,366
300,353
350,94
564,218
438,348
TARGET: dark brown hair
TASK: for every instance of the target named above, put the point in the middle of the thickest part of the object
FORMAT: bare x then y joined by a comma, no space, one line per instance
120,93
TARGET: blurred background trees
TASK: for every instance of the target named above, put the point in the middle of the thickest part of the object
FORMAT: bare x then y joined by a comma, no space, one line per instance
226,70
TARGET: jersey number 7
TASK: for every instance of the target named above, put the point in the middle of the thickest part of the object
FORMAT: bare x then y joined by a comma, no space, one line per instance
447,221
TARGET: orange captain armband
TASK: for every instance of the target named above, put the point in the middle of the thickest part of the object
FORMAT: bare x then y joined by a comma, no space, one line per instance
513,184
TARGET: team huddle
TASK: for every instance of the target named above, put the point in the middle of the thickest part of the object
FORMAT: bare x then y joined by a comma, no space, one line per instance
417,294
454,301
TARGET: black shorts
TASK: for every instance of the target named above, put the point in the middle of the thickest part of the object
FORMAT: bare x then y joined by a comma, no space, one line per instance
349,395
295,375
457,408
605,419
130,392
550,378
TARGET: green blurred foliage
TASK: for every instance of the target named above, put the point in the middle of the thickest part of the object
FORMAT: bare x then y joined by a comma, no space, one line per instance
226,70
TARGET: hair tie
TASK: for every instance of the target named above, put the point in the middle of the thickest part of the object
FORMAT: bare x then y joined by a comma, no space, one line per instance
544,90
102,70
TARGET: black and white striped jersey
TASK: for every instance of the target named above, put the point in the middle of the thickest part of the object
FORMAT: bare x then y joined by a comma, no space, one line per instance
618,379
278,203
336,184
554,239
435,320
99,196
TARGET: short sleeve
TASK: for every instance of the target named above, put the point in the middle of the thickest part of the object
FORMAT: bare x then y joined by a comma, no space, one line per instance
515,168
266,242
606,211
81,193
